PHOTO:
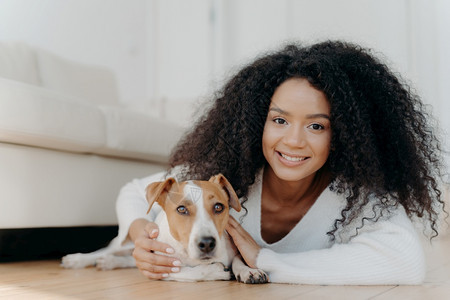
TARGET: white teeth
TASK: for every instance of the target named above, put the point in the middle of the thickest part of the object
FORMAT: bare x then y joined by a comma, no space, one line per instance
292,158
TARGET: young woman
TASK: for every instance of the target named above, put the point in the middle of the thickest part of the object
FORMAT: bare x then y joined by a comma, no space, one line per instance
332,157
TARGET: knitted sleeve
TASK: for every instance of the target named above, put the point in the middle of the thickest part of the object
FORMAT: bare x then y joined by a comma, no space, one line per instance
384,252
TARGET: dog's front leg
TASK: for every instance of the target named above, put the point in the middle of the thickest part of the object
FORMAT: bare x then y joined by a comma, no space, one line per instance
215,271
245,274
111,262
83,260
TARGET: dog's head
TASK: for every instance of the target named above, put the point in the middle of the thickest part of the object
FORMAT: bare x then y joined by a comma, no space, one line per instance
197,212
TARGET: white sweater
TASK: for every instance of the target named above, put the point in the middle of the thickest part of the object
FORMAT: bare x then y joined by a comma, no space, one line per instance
384,252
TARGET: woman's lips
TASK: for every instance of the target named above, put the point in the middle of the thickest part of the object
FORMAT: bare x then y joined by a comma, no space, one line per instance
292,159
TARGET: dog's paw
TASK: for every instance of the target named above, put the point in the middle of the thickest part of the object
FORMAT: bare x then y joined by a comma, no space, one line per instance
219,272
252,276
107,262
77,261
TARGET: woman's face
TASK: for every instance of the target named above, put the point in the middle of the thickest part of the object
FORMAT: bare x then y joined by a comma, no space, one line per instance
297,133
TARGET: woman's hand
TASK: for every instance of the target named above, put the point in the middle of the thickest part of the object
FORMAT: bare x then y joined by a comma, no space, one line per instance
246,245
154,266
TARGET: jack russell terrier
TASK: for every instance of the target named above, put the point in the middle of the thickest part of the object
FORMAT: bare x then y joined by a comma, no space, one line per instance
192,220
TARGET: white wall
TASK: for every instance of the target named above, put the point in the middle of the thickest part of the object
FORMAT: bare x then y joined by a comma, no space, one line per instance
170,53
181,37
111,33
252,27
442,75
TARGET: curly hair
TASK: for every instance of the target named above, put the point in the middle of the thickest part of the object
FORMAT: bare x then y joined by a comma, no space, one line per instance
381,142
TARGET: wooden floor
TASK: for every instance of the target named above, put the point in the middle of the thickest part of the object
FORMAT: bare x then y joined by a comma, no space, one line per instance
47,280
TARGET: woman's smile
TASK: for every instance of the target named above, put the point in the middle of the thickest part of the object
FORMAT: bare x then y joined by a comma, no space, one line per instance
292,159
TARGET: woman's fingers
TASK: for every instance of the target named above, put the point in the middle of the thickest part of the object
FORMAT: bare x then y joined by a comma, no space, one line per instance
142,255
246,245
153,245
152,256
238,233
152,230
155,266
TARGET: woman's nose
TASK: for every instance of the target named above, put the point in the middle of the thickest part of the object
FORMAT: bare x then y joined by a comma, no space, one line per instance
295,137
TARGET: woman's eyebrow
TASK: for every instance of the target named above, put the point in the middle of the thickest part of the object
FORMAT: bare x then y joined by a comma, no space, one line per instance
316,116
279,110
310,116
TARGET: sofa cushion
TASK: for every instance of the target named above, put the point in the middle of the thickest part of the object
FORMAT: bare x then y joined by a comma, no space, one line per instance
36,116
93,83
137,135
18,62
39,117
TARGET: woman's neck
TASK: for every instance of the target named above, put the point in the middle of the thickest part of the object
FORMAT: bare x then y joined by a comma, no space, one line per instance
290,193
284,203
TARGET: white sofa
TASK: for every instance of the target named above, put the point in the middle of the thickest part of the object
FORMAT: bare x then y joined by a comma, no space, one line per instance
66,144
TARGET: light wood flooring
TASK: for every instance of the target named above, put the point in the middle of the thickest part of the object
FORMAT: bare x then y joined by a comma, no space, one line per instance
47,280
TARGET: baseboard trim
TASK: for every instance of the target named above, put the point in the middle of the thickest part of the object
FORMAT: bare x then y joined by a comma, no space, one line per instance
50,243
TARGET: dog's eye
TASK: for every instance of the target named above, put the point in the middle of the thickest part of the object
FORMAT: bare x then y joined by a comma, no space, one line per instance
218,208
182,210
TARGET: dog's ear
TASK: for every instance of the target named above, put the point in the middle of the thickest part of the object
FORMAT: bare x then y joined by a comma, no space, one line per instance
156,189
225,184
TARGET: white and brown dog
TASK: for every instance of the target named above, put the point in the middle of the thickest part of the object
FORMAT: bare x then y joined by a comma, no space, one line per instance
192,220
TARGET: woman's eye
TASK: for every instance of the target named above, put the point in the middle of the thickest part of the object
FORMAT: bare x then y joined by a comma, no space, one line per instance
280,121
316,126
182,210
218,208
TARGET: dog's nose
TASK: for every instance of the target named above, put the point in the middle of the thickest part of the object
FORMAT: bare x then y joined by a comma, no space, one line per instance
207,244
